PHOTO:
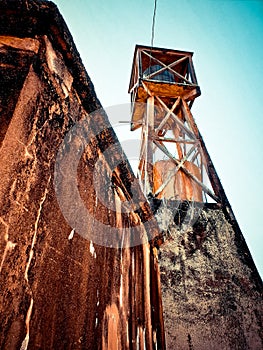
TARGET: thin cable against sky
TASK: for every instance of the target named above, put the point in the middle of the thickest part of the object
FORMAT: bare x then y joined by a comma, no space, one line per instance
153,22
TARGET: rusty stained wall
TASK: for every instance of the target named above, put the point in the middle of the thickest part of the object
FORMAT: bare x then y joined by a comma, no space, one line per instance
212,293
59,290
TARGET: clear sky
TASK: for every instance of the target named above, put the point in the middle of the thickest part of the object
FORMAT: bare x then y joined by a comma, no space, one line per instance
226,37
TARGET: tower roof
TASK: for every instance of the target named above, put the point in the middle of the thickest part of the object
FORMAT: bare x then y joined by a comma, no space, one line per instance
166,55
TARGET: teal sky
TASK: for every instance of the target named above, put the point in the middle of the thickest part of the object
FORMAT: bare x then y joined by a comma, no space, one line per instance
226,37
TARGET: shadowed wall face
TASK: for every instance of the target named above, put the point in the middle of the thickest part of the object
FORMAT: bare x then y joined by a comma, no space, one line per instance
59,289
15,60
211,290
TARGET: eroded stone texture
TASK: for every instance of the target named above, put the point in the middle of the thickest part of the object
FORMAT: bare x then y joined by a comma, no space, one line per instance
59,290
212,293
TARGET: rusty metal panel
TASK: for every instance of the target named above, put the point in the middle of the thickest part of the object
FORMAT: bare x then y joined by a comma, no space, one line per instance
181,187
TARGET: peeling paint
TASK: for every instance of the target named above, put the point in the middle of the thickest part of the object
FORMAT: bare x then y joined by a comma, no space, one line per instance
31,252
25,343
6,229
27,154
71,235
111,330
121,291
9,247
92,250
57,66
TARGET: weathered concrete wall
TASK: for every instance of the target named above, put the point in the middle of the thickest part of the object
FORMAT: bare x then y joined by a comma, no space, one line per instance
59,290
212,293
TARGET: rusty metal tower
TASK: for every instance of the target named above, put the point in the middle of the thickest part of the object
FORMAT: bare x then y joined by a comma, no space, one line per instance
174,162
